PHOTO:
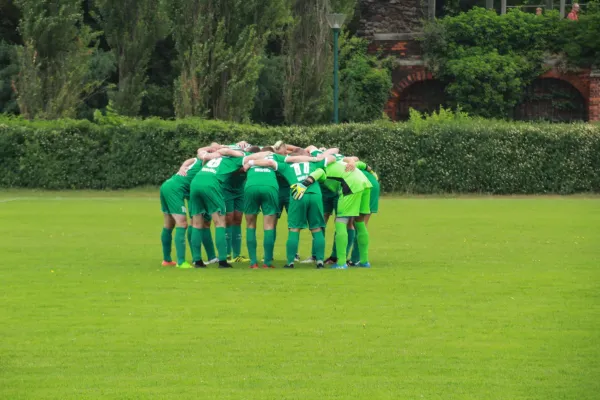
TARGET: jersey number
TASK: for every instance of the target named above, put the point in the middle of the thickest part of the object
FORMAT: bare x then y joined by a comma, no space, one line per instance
214,163
299,167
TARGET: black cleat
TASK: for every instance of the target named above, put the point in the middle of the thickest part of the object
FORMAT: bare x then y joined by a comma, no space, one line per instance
225,264
351,263
331,260
289,266
199,264
320,265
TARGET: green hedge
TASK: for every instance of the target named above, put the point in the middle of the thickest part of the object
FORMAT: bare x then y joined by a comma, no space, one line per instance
474,156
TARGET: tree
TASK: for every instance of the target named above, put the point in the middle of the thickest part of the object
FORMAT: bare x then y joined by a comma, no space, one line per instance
54,60
132,29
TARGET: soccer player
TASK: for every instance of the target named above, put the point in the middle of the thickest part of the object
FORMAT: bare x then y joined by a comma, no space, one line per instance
354,201
261,192
173,193
207,199
304,212
233,190
374,208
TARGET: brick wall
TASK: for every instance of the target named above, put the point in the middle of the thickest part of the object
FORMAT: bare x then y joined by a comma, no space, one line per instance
390,16
594,99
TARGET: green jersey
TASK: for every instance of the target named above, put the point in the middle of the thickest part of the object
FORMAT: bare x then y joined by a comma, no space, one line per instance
262,176
185,181
327,192
219,171
297,172
338,179
284,186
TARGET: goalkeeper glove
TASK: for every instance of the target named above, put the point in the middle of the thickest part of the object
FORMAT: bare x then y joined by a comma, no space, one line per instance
298,190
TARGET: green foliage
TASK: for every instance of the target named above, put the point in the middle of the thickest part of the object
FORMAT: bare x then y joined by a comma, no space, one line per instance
487,60
365,81
132,28
447,152
8,72
54,61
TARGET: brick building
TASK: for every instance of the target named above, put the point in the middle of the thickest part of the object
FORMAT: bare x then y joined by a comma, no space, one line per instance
393,26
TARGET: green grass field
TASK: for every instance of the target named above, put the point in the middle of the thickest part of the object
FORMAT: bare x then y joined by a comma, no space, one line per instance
469,298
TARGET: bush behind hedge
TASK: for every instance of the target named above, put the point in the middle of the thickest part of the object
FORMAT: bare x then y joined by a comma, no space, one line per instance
473,156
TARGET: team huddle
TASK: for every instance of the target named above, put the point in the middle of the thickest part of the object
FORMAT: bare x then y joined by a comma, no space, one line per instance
225,182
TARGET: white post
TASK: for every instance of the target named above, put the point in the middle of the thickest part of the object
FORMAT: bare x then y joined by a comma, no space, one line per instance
489,4
562,8
503,7
431,9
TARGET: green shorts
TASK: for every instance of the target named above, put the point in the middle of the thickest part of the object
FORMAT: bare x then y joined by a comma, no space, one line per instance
354,204
172,198
257,198
308,211
374,204
234,201
206,200
329,200
284,203
204,216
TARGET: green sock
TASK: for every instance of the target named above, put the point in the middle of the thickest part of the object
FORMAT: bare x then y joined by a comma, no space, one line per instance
189,236
251,243
318,245
334,248
166,238
236,240
351,236
355,251
196,243
292,246
221,239
207,242
228,235
274,235
363,241
269,245
341,242
180,245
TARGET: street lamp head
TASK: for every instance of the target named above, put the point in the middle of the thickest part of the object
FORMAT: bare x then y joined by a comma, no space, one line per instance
335,21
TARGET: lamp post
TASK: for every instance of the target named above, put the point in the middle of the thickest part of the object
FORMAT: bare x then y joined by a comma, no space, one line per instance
335,22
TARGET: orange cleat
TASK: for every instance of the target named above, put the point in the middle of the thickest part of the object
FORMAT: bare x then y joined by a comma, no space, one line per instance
265,266
169,263
254,266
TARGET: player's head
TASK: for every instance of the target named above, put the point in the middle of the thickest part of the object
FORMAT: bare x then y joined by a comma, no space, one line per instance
300,152
253,149
268,148
280,147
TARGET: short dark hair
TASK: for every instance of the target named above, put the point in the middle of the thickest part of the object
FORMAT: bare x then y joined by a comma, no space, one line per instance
298,152
253,149
268,148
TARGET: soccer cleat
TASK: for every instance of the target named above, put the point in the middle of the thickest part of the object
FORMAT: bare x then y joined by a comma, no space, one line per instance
365,265
240,259
254,266
352,263
297,257
336,266
229,258
289,266
331,260
185,265
309,260
225,264
320,265
213,261
265,266
199,264
169,264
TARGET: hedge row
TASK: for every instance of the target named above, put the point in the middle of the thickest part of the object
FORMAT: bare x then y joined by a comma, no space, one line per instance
457,156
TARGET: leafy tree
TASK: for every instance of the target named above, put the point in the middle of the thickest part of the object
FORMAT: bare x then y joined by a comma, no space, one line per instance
54,60
8,71
132,29
365,82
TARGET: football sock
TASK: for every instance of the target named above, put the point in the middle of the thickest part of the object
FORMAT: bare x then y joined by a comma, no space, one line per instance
274,235
269,244
228,236
207,242
334,247
189,235
318,245
355,251
221,239
236,240
363,241
351,236
166,238
251,244
196,243
180,245
341,241
292,246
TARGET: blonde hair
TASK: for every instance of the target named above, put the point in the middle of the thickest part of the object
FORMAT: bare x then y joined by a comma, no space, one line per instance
278,145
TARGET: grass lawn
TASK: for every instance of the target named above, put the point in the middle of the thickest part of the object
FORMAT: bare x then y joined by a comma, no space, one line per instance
468,298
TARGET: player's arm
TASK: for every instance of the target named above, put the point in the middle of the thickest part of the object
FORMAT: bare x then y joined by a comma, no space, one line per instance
261,163
209,156
185,166
298,189
258,156
332,151
226,151
297,159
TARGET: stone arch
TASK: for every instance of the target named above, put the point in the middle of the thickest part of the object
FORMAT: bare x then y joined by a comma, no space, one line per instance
418,90
553,98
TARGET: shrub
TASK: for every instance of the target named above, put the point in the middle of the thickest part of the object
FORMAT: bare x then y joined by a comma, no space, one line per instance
445,153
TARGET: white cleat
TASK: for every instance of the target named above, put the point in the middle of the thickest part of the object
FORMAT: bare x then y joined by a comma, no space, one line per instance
309,260
213,261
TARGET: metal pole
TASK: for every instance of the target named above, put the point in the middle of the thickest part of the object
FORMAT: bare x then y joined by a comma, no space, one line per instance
336,88
489,4
502,7
562,8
